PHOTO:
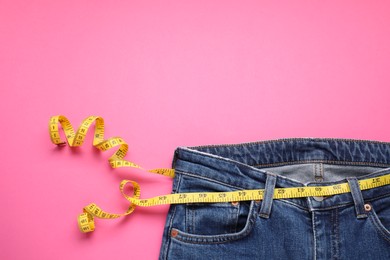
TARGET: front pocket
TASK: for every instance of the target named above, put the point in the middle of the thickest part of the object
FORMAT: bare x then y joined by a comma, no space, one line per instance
380,216
216,218
218,222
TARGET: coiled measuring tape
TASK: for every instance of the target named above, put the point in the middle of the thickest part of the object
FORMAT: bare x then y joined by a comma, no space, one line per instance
86,219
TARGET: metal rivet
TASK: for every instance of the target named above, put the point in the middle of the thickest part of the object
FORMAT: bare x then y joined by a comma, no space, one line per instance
367,207
174,233
234,203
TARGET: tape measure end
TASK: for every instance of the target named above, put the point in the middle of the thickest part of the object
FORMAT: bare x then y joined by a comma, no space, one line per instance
86,223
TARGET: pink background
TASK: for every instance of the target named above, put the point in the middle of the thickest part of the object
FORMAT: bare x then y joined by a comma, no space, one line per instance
165,74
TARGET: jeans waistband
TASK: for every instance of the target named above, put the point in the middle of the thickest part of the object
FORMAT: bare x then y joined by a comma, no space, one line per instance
239,165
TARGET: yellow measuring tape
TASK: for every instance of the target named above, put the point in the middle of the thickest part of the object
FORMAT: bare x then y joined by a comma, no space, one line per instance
86,219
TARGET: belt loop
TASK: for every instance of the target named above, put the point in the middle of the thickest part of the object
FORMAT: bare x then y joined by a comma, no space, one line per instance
266,205
357,197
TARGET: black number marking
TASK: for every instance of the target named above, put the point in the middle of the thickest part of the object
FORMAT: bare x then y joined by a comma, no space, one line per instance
241,193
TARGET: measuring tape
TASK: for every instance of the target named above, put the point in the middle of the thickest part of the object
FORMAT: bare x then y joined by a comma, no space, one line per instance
86,219
77,139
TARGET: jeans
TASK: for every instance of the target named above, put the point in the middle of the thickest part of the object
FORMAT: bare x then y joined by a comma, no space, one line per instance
353,225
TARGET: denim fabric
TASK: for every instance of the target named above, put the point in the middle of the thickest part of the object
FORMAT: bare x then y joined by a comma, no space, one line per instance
354,225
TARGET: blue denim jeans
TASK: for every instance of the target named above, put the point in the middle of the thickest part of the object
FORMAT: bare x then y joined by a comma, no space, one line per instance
354,225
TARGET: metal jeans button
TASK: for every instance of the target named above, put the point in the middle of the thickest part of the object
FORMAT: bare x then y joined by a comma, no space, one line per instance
316,198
